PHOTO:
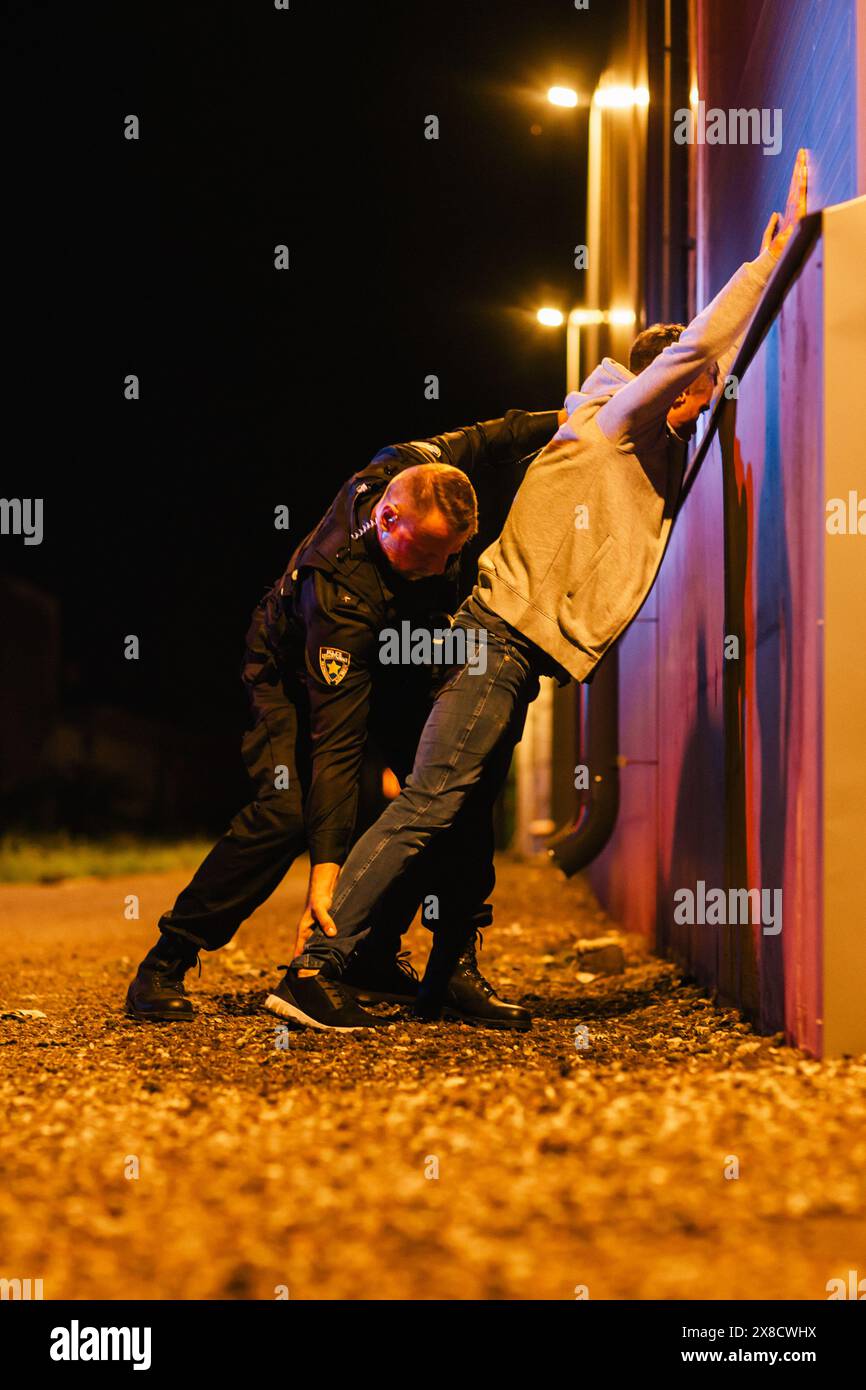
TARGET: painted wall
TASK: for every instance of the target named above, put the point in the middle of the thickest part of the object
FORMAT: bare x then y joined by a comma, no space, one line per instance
723,773
740,764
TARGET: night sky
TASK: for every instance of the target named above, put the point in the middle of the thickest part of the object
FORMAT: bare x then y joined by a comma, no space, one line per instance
260,387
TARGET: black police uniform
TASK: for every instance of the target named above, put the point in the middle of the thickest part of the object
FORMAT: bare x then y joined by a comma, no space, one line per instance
322,702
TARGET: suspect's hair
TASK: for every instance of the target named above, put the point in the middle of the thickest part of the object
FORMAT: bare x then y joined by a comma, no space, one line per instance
647,345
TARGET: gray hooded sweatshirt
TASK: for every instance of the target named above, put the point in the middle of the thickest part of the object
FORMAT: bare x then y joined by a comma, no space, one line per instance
588,527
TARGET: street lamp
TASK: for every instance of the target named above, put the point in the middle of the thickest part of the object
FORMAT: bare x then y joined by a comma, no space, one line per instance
562,96
620,97
577,319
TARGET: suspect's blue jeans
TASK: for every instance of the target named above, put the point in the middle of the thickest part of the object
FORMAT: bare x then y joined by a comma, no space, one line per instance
461,764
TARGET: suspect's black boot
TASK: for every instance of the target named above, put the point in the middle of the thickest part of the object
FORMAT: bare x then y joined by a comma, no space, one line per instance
157,992
472,999
373,978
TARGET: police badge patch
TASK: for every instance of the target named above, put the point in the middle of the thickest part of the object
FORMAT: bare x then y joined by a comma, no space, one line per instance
334,664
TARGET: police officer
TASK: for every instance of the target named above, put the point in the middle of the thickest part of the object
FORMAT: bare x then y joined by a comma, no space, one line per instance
327,714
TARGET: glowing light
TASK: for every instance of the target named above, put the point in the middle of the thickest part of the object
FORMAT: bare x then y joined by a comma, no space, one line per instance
587,318
621,97
693,96
622,318
562,96
584,317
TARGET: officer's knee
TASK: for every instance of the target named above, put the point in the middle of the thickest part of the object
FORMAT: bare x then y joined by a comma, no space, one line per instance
272,817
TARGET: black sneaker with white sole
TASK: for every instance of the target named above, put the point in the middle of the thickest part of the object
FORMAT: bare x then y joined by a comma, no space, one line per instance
319,1003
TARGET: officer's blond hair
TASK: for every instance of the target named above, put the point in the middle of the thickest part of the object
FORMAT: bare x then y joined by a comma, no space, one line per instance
442,486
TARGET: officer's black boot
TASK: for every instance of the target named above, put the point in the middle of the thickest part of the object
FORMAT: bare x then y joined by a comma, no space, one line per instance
157,992
457,989
473,999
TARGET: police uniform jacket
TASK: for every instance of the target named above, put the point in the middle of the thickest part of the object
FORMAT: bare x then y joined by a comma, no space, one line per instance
319,627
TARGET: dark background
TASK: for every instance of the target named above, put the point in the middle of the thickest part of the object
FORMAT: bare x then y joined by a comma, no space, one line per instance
259,387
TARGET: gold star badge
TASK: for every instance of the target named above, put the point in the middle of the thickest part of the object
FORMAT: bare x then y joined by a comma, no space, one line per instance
334,664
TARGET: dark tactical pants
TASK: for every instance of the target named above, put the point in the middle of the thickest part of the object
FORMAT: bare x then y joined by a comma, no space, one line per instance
249,861
462,761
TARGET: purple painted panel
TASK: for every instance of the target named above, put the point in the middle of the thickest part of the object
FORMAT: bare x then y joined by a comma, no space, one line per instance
691,740
628,888
623,875
738,790
777,466
793,56
739,740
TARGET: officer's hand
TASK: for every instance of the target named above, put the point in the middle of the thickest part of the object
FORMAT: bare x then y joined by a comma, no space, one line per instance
320,907
320,893
304,931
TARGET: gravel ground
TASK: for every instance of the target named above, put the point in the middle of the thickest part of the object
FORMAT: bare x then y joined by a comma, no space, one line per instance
423,1161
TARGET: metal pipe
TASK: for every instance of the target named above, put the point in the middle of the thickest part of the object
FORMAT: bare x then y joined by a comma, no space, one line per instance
574,847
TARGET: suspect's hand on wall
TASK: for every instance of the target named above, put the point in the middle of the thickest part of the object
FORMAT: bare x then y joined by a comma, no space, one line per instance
779,229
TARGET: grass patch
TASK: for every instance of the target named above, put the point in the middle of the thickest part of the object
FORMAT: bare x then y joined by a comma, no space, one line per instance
50,858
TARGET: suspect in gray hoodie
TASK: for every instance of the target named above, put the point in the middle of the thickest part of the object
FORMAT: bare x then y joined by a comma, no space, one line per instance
587,531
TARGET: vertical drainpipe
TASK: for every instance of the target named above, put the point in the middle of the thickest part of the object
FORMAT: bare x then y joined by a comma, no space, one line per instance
598,701
599,740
